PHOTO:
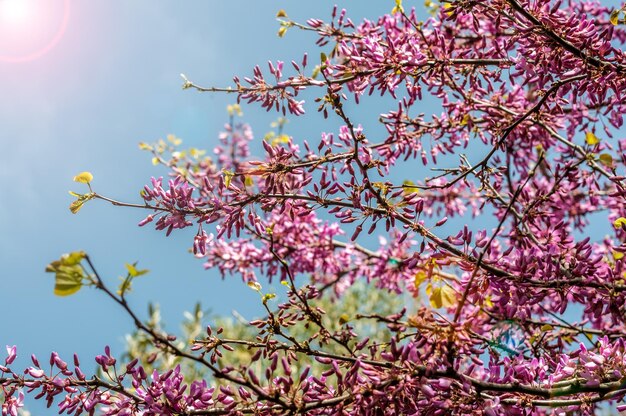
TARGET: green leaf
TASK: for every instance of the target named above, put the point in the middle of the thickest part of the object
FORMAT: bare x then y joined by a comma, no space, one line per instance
78,204
316,72
268,296
69,274
68,280
83,177
133,272
73,258
70,259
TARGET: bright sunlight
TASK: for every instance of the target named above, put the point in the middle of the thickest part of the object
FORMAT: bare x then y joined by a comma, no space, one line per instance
31,28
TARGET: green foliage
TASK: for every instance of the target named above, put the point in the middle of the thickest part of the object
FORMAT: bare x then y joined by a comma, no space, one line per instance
69,274
341,314
125,287
75,206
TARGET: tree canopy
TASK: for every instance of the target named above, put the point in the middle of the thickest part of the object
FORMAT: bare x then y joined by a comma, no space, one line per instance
501,121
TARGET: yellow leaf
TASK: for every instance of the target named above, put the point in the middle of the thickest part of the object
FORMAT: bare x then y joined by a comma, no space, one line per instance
234,109
282,31
617,255
442,297
614,18
591,138
316,71
83,177
133,272
73,258
155,161
76,206
398,7
606,159
268,296
619,223
228,177
546,328
196,153
419,278
281,13
68,280
174,140
409,187
283,138
255,286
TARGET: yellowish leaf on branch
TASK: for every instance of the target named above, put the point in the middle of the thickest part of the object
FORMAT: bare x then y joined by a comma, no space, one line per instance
441,297
606,159
614,18
133,271
420,277
228,177
83,177
68,272
398,7
591,138
619,223
174,140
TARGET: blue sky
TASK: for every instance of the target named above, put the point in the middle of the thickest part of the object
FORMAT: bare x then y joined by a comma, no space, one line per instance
111,82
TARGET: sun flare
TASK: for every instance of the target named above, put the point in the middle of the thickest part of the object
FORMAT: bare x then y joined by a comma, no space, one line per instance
31,28
15,11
